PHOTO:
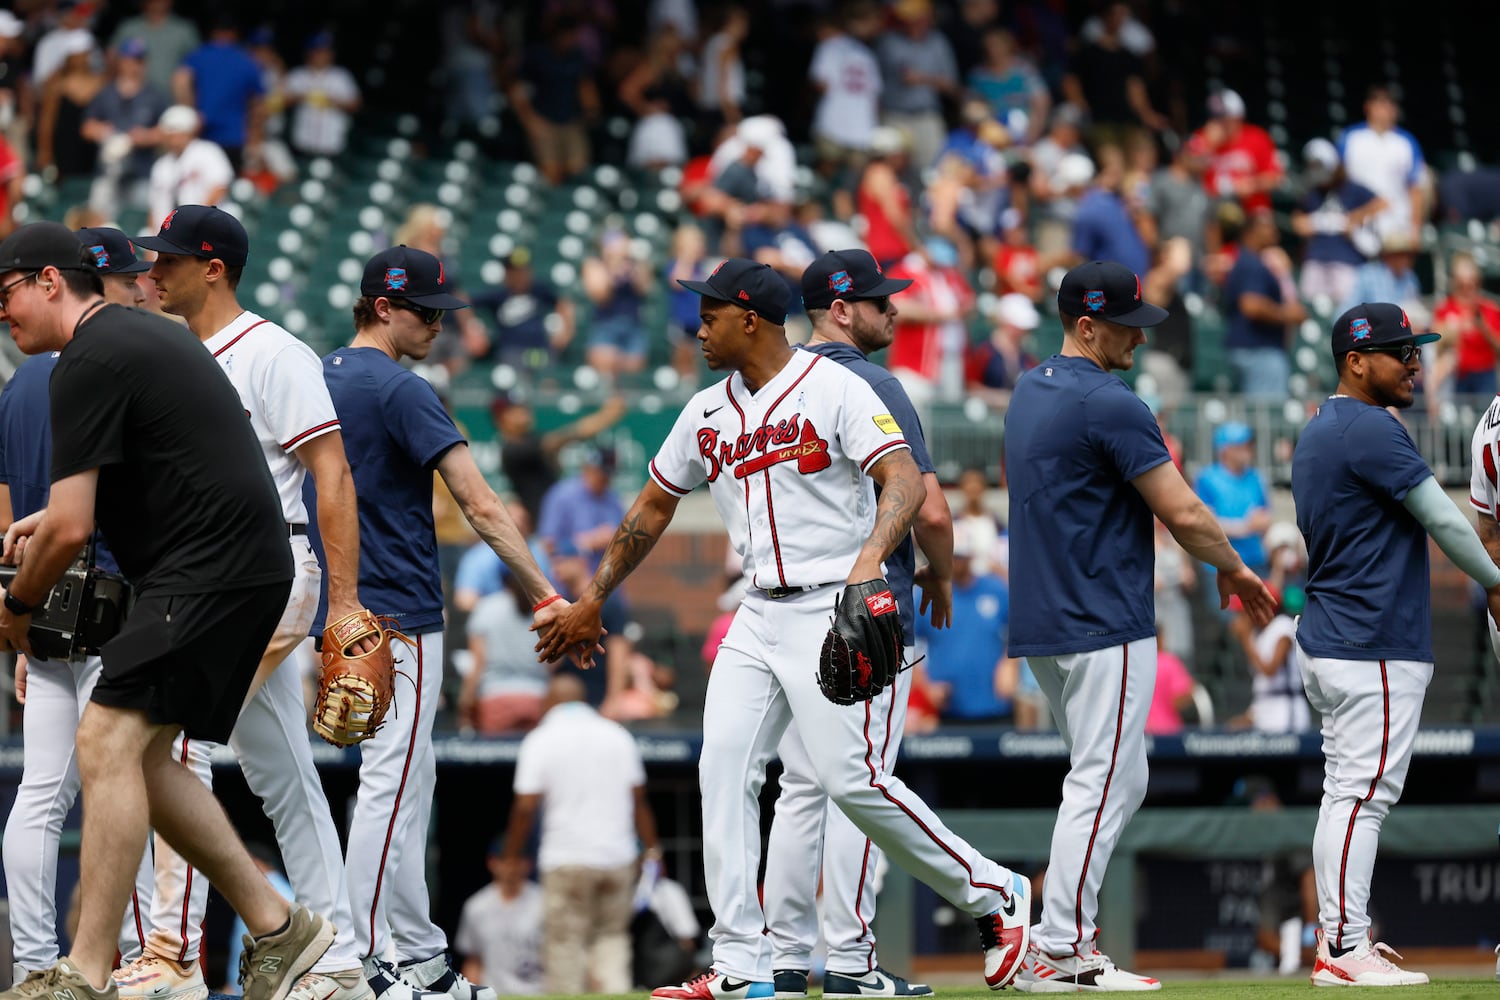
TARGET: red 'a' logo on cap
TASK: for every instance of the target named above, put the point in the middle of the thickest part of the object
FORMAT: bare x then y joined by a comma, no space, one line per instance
719,268
744,295
167,222
1138,288
1404,321
440,273
207,247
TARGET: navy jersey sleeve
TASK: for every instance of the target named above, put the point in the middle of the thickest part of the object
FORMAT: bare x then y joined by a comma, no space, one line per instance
417,421
898,404
1123,429
88,418
1384,455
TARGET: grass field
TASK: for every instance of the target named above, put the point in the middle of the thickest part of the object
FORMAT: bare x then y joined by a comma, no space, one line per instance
1254,989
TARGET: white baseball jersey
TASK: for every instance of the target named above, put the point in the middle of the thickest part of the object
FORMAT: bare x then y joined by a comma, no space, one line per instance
280,382
1484,493
785,467
849,108
187,179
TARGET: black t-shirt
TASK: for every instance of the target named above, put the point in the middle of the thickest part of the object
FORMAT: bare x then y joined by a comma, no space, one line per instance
1104,75
529,472
184,499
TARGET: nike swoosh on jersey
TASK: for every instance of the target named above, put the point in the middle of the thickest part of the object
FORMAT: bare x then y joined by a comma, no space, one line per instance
708,413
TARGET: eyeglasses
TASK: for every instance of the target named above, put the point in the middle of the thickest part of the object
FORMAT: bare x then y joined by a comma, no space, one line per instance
882,304
425,314
5,291
1405,353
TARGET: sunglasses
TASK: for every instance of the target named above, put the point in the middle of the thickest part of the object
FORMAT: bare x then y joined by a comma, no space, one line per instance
1405,353
6,290
424,313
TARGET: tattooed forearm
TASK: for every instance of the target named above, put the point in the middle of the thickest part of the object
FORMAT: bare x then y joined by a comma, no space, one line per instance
633,539
901,496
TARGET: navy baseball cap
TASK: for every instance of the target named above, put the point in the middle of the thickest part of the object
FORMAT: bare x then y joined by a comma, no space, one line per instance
111,251
201,231
41,244
1108,290
1375,325
404,272
847,275
748,285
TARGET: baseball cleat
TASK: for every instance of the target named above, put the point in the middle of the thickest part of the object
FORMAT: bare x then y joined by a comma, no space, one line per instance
791,984
388,984
1366,965
1004,934
437,975
1094,973
349,984
153,978
712,986
875,983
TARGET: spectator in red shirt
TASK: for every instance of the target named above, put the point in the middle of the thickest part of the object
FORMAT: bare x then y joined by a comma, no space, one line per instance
1241,157
931,327
12,174
1017,265
1470,319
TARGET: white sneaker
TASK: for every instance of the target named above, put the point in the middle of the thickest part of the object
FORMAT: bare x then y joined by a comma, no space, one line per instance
153,978
1366,965
1095,973
1004,935
349,984
387,984
712,986
437,975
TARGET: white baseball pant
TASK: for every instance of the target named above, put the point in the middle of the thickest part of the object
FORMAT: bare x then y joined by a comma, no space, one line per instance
270,741
388,834
765,675
1370,709
808,834
1100,700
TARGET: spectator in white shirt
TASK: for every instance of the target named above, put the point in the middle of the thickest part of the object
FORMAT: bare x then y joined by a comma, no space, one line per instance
593,819
190,170
1389,162
500,929
324,97
846,76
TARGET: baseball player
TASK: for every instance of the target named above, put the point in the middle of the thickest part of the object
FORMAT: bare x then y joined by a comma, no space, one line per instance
201,252
1366,503
1088,470
789,444
52,695
849,302
148,447
396,434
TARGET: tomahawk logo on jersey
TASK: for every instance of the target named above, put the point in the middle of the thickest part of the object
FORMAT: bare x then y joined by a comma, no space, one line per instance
771,463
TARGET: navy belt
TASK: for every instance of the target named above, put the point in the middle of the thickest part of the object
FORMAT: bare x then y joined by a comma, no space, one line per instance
777,593
296,529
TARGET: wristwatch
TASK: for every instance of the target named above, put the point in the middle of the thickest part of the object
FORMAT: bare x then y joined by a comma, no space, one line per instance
18,607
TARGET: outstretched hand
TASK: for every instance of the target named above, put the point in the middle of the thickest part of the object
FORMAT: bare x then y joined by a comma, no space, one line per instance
565,629
1252,592
937,594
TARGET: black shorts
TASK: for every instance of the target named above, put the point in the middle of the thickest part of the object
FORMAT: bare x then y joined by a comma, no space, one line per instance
188,659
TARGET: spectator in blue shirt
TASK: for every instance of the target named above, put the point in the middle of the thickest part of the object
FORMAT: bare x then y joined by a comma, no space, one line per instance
583,510
1105,227
223,81
1258,315
972,678
530,324
1334,217
1391,278
1235,492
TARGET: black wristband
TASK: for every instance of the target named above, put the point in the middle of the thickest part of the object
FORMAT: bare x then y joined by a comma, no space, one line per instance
18,607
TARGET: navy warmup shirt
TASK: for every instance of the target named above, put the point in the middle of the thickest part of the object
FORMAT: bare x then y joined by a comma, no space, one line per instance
26,444
1369,593
395,432
1082,551
902,564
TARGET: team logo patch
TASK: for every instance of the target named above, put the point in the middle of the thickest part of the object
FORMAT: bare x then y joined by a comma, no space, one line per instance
744,295
882,603
101,256
395,279
887,423
1093,299
840,283
1405,323
719,268
207,247
1359,328
167,222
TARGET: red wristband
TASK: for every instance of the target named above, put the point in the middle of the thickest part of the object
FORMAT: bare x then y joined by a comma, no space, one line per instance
546,601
